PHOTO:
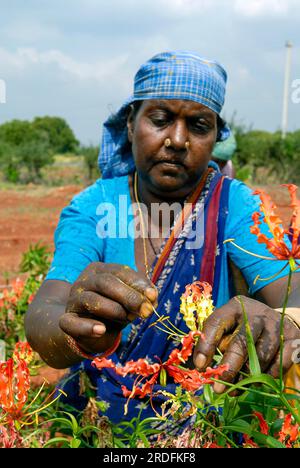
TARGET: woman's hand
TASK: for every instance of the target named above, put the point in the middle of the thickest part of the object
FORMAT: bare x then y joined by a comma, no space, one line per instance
104,299
225,329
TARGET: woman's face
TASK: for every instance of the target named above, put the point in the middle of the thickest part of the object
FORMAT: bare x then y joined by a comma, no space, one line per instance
173,171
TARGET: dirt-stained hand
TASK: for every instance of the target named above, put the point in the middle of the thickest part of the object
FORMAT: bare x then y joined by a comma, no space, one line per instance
225,329
104,299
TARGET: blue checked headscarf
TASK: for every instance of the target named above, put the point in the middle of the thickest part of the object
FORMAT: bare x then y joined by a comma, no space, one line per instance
169,75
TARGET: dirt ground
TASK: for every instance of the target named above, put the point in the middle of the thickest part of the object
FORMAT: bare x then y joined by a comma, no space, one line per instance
31,215
28,216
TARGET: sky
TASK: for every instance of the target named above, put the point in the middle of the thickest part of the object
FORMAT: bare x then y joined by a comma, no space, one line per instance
77,59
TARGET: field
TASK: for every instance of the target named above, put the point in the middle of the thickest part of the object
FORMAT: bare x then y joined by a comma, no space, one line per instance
28,216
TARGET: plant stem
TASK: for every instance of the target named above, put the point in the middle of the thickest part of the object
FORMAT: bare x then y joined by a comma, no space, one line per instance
292,410
285,303
218,431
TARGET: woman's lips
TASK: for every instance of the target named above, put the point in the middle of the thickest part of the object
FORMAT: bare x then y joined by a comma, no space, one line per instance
169,163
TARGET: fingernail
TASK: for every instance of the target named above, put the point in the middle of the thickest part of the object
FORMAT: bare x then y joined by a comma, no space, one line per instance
219,388
99,330
146,310
200,361
151,293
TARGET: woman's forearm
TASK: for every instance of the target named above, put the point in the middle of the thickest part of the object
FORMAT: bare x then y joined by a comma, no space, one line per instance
44,334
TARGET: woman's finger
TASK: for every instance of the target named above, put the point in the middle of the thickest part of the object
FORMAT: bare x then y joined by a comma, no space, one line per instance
274,368
267,346
80,327
111,287
128,276
236,354
94,304
219,323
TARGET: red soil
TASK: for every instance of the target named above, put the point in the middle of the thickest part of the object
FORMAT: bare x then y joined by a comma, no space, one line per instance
27,217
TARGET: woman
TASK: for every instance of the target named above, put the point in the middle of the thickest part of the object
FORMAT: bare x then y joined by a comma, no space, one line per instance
105,278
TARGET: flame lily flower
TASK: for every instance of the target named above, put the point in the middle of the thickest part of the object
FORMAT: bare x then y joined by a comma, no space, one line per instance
196,304
264,427
288,435
277,245
14,386
190,380
10,297
23,351
9,436
248,442
289,432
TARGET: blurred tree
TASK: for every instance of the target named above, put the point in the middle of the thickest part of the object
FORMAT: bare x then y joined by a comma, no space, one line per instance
34,155
61,137
90,154
16,132
285,157
9,162
23,146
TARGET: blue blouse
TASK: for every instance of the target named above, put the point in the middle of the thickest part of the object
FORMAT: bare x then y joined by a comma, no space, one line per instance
80,237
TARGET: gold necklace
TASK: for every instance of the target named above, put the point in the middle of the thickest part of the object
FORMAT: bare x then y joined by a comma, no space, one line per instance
135,187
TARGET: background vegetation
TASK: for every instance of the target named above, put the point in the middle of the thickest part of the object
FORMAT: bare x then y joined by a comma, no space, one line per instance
46,151
266,158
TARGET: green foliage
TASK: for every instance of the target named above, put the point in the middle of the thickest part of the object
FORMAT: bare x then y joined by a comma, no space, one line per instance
30,146
17,132
265,157
36,260
23,147
35,155
14,300
90,155
61,137
9,162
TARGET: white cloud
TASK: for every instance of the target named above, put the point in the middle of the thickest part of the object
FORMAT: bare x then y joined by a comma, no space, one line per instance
255,8
27,57
30,31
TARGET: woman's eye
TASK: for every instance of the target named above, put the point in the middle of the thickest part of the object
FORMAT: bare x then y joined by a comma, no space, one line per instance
202,127
160,121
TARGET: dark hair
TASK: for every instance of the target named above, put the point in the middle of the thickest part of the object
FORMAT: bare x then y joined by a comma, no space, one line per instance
220,125
136,105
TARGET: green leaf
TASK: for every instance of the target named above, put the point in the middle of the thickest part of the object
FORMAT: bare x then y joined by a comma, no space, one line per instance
63,421
230,409
243,427
74,423
268,440
240,426
253,359
258,379
56,440
208,394
144,440
75,443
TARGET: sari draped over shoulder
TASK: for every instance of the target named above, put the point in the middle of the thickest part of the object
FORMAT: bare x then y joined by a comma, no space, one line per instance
187,255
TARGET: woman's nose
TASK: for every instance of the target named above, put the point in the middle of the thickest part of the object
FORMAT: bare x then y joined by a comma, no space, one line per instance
179,135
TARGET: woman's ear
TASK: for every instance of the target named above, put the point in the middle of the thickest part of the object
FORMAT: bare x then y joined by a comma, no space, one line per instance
130,123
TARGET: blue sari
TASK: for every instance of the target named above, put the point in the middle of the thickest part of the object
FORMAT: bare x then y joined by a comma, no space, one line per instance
174,268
